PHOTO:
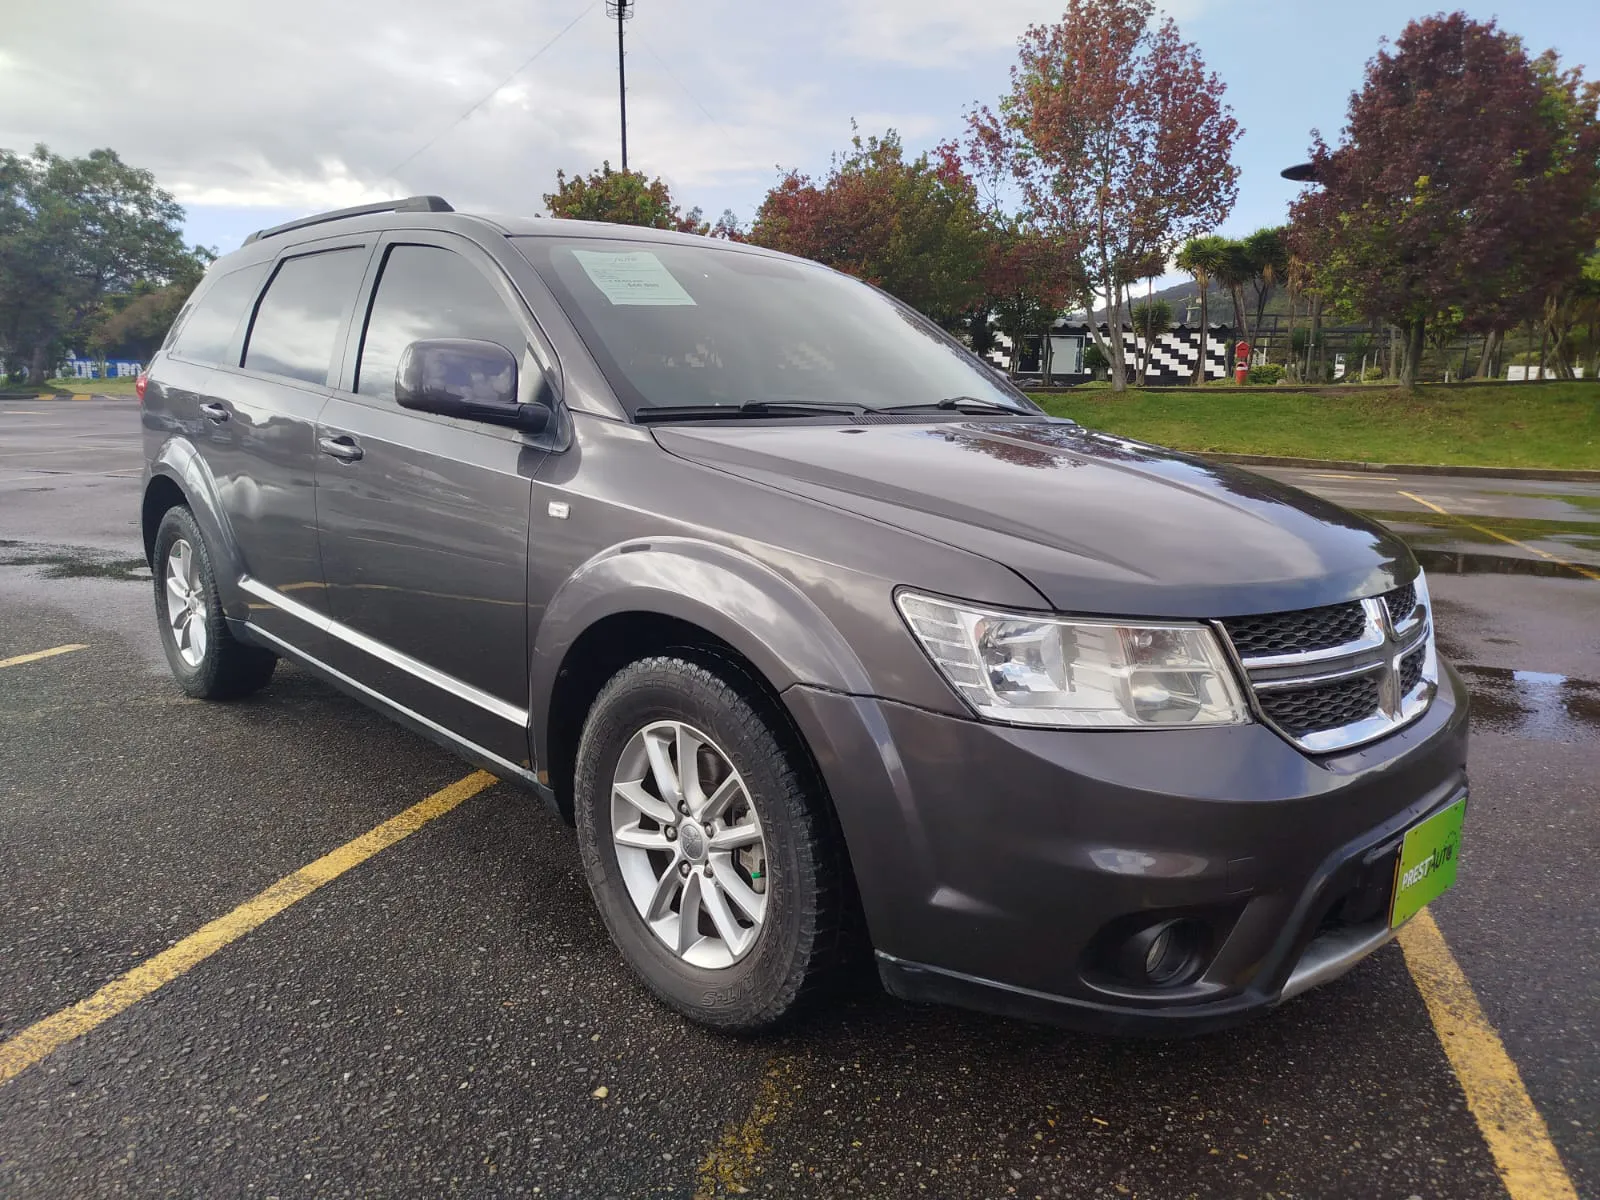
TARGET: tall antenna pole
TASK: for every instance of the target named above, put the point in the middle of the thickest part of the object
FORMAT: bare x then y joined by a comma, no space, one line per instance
622,10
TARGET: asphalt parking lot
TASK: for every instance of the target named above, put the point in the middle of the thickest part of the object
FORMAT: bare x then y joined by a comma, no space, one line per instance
448,1017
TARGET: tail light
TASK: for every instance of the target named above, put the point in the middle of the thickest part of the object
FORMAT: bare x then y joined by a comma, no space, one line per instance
140,384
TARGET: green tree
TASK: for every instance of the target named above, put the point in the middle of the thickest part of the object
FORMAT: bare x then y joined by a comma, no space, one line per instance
1094,359
1151,319
1465,180
1572,305
133,325
1233,272
1268,255
911,226
623,198
74,231
1355,358
1024,287
1202,258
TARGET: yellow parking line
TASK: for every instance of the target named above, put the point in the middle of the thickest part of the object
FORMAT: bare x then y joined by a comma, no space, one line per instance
1510,541
1360,478
1517,1136
47,1036
38,654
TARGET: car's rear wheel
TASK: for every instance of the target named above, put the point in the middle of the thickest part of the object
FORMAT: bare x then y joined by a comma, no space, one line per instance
206,660
714,863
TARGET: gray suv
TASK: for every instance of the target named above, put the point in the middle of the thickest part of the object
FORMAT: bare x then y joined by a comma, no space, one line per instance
829,642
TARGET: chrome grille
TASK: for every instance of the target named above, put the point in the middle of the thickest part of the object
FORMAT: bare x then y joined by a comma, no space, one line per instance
1337,676
1297,632
1411,670
1401,603
1331,706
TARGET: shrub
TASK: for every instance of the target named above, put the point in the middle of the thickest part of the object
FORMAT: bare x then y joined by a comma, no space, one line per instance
1266,373
1372,375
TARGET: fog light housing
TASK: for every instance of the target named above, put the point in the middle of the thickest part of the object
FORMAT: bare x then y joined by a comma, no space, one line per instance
1163,954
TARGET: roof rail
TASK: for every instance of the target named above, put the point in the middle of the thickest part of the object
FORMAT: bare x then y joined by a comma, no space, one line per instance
409,204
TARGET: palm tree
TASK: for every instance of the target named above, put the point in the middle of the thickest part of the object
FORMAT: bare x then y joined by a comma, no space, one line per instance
1201,257
1151,319
1269,262
1235,271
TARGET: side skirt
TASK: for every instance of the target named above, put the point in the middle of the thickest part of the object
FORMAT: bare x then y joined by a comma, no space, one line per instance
475,754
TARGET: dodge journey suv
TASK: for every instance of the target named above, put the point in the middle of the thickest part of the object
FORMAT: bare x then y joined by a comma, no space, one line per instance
827,640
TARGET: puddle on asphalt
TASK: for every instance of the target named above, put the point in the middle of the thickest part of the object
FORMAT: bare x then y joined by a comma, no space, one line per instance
72,562
1454,562
1533,704
1432,529
1578,500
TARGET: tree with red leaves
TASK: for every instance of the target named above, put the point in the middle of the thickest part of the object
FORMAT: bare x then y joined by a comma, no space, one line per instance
1464,186
623,198
1024,288
912,227
1118,139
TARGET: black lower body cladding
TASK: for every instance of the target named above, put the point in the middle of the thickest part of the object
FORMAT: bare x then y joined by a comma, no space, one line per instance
1030,872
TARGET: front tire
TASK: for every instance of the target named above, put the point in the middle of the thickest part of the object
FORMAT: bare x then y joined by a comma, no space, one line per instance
206,660
714,861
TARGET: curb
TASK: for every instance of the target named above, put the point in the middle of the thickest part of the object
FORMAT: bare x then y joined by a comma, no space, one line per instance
1267,460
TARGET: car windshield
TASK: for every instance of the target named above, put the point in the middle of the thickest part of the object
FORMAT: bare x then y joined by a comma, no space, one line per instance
677,326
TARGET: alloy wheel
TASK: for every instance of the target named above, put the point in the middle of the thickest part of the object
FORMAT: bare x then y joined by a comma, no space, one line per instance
186,603
689,844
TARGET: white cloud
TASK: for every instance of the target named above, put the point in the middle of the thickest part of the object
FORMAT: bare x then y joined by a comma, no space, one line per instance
306,104
941,33
315,104
261,185
928,33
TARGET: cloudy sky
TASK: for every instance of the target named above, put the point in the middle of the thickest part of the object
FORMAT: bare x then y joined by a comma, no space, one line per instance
252,113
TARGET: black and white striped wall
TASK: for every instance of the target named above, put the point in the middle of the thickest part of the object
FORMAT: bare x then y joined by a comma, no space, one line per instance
1172,360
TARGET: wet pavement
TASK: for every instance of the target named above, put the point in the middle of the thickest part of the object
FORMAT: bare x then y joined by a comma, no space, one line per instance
1470,537
442,1020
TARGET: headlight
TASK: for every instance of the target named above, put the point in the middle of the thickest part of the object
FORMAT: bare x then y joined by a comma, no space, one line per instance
1025,669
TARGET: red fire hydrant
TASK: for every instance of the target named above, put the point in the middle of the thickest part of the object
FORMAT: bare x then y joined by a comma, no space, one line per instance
1241,361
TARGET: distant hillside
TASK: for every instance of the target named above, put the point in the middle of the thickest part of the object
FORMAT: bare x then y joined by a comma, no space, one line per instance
1185,299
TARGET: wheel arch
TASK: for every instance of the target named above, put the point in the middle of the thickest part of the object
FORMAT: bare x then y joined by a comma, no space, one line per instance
179,476
160,494
632,602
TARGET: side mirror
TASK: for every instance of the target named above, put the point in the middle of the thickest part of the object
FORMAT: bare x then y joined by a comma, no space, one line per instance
461,377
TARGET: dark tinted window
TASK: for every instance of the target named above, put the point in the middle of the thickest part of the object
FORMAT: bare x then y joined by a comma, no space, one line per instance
206,332
427,292
674,324
299,317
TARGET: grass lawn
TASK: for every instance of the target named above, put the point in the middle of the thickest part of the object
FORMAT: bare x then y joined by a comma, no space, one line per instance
75,387
1553,425
96,387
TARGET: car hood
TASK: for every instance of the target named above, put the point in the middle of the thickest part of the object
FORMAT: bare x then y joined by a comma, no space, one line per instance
1098,524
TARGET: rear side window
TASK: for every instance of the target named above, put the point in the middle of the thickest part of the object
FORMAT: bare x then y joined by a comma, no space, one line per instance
429,292
298,320
205,334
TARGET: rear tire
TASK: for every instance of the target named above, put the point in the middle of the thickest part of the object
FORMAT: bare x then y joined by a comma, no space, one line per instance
765,873
206,660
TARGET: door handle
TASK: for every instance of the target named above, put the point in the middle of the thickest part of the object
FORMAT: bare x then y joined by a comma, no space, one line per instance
343,447
214,412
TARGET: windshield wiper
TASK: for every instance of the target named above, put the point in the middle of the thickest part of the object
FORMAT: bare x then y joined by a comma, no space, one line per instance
957,404
750,408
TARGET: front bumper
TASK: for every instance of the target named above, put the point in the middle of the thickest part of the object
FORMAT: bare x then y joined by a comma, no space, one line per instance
994,863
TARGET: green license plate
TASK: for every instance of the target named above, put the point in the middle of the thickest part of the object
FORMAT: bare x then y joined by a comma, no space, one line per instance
1428,860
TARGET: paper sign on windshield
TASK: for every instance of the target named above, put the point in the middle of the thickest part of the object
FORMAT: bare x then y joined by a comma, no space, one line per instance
631,277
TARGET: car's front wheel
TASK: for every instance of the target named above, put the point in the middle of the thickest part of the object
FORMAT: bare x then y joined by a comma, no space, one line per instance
715,865
206,660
